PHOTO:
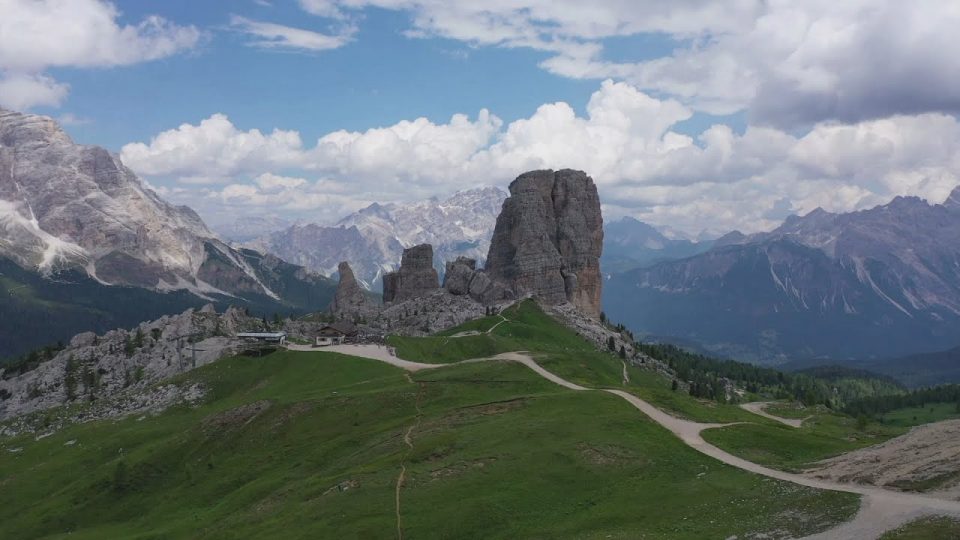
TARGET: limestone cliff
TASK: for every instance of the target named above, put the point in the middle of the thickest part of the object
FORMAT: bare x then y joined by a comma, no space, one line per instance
350,302
548,239
415,278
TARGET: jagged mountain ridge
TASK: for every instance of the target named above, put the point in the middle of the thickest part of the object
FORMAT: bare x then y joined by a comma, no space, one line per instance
373,239
69,211
67,205
877,282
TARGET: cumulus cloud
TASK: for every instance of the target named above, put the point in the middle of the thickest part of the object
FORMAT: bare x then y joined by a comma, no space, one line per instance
718,180
788,63
39,34
20,91
276,36
390,158
214,149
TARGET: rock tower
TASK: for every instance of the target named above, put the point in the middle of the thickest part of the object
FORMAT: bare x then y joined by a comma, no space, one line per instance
548,239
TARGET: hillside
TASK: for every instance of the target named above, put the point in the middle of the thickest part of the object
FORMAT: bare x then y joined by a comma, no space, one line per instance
312,444
871,284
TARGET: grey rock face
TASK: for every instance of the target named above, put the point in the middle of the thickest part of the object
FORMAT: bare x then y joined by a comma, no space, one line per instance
548,239
459,273
415,278
431,312
68,205
98,368
373,238
350,302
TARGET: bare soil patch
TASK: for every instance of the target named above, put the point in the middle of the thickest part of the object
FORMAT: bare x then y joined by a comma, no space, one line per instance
236,417
606,454
925,459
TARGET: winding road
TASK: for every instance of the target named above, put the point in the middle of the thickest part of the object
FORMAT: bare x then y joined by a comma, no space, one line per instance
759,408
880,510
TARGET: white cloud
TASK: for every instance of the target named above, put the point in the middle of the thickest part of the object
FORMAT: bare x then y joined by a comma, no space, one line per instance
273,183
70,119
719,180
39,34
789,63
276,36
20,91
389,157
214,149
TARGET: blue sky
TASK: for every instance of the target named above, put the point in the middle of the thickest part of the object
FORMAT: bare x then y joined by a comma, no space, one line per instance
380,78
689,114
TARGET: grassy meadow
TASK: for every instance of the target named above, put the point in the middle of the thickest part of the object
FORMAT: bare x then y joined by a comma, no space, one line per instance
310,445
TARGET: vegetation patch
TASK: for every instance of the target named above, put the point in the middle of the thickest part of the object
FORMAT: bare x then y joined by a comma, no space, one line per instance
236,417
823,435
605,455
926,528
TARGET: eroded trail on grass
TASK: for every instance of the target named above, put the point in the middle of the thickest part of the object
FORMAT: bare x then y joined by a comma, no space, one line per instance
759,408
408,440
880,511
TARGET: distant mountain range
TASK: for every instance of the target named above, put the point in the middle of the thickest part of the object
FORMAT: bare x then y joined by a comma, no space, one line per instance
876,283
914,370
372,240
73,214
247,228
629,243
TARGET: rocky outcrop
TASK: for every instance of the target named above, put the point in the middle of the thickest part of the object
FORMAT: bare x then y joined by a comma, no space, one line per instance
548,239
350,302
458,274
121,363
415,278
372,239
429,313
463,278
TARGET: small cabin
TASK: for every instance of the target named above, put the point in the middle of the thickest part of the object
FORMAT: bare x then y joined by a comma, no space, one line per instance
279,338
336,334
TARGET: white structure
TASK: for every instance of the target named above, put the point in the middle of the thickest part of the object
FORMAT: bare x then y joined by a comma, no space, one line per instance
279,338
336,333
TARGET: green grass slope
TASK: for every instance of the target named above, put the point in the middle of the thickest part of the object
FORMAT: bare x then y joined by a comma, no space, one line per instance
562,351
310,445
928,528
823,434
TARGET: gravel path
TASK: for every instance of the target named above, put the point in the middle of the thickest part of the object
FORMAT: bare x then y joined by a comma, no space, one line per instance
757,407
881,510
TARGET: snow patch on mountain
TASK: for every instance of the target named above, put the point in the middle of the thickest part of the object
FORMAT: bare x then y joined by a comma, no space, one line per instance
48,251
372,240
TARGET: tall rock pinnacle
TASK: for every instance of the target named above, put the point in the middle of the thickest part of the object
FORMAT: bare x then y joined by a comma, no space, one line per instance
548,239
349,302
415,278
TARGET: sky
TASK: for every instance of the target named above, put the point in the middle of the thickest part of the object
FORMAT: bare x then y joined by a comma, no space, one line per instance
689,114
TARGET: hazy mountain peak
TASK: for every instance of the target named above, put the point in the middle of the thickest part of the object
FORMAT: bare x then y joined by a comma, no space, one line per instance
869,282
373,238
67,205
953,201
25,129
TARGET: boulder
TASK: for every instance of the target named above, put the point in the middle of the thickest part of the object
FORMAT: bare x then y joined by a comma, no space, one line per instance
459,273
